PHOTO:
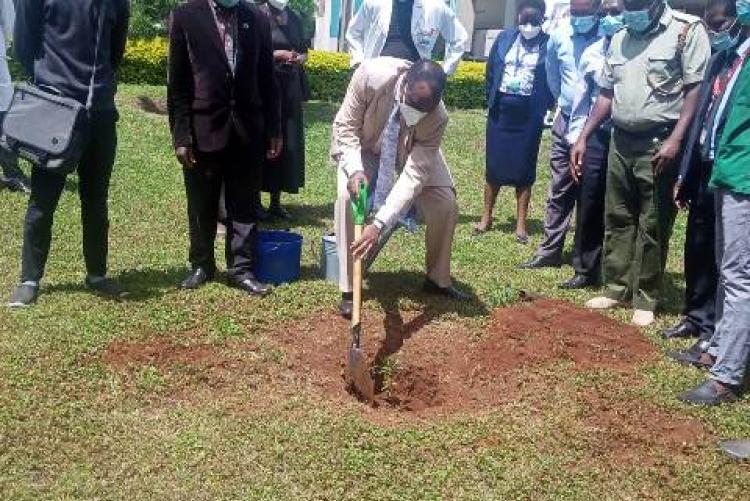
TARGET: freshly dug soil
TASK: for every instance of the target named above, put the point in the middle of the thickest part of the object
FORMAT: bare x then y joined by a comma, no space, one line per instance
424,366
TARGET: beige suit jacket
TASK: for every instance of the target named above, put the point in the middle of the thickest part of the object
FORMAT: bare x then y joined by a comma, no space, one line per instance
357,129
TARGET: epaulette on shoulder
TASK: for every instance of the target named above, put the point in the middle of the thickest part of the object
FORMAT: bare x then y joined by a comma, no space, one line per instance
686,18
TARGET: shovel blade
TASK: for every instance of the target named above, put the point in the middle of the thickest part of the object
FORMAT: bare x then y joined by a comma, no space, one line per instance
359,374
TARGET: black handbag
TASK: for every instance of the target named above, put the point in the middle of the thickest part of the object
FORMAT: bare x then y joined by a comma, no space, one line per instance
46,128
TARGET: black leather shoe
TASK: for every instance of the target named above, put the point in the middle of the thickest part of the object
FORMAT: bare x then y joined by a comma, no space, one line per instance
261,214
106,287
540,262
252,286
682,330
710,392
280,213
18,184
346,308
695,356
24,296
451,292
578,282
197,278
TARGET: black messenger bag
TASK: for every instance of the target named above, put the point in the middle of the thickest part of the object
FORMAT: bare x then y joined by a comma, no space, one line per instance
46,128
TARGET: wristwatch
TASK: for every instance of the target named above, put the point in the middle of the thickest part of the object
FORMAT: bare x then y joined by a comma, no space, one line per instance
378,223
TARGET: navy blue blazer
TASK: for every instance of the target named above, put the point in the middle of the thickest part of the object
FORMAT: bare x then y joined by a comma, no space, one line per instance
693,176
541,97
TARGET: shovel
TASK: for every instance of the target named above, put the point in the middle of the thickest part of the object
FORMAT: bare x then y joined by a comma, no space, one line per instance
358,369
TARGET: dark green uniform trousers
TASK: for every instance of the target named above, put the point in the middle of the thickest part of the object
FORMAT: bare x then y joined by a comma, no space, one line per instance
639,216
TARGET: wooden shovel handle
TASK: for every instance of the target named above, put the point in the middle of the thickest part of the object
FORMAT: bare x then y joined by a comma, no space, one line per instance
357,281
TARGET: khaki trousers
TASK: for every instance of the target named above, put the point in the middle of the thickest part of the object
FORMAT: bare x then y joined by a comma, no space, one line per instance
439,210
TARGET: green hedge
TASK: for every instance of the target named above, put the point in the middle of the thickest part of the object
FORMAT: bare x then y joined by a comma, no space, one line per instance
329,73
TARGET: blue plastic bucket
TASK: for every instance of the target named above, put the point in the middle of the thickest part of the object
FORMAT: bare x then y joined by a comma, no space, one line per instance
279,257
329,258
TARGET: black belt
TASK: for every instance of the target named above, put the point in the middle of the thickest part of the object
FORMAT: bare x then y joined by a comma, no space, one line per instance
659,132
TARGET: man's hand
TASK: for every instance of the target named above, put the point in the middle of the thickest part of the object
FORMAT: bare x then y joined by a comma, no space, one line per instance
679,200
274,148
362,247
185,156
285,56
577,156
357,179
667,154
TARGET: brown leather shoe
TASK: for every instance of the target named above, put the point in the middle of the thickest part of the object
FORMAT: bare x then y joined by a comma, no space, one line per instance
705,361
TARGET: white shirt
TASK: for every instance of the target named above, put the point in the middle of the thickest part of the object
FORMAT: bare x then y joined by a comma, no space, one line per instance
520,68
7,22
368,31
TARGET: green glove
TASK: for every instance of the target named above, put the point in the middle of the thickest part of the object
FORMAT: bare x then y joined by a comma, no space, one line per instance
359,206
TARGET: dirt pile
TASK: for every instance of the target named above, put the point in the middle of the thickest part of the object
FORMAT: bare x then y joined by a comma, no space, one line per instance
423,366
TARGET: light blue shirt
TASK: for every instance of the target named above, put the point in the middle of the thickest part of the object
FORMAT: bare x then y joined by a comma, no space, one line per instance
564,51
587,91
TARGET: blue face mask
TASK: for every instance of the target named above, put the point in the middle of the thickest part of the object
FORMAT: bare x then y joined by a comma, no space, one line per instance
609,25
638,21
583,24
743,12
228,3
723,40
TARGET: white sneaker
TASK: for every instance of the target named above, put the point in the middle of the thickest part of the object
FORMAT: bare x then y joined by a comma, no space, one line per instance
643,318
602,303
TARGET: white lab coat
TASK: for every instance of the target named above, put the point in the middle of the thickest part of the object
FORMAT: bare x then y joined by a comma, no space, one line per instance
7,21
368,31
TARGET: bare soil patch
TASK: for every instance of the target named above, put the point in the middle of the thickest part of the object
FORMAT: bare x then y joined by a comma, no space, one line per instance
190,368
424,366
627,432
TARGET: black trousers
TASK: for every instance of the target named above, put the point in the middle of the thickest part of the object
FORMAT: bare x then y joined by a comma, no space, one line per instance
701,272
94,173
589,238
237,167
9,168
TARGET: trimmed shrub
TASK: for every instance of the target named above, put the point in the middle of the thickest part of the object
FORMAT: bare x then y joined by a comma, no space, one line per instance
329,74
145,62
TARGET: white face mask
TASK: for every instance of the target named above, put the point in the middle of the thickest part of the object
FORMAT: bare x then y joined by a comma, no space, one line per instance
529,31
279,4
411,115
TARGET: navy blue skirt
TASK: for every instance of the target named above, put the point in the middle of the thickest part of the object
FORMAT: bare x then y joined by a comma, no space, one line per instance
513,137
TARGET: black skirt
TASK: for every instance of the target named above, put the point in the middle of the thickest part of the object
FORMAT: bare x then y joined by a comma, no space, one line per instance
287,173
513,137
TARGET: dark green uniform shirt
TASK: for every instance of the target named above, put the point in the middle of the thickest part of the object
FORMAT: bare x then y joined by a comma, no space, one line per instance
732,165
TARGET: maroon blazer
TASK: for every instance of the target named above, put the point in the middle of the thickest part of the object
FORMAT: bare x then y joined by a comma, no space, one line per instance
206,102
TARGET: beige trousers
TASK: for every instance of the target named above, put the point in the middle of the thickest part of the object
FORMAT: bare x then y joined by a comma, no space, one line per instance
436,205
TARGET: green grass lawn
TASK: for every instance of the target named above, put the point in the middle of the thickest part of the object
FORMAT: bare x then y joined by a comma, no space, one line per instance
73,426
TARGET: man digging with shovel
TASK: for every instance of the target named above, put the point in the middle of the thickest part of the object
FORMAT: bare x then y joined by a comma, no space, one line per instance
390,127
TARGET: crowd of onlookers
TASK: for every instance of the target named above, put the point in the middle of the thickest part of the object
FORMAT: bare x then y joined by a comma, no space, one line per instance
650,119
650,110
